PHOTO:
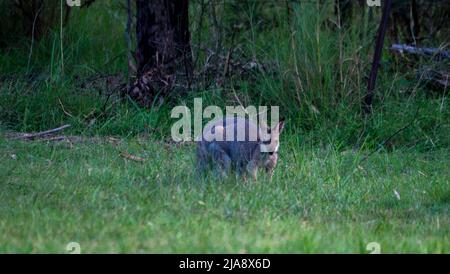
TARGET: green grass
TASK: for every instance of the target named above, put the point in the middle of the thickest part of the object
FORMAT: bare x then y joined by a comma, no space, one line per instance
320,200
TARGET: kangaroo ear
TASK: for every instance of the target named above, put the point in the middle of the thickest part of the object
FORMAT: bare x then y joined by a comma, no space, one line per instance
279,127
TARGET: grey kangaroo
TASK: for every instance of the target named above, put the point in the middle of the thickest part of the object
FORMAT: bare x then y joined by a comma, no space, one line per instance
252,147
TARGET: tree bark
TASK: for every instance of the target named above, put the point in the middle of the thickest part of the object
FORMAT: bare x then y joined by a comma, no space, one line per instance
163,52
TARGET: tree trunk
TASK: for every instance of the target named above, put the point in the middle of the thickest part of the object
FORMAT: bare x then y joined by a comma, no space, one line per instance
163,52
379,42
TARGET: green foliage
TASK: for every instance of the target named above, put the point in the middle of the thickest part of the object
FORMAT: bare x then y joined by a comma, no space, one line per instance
320,200
315,72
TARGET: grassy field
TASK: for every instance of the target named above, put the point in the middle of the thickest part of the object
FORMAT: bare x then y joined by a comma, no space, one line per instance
318,201
344,179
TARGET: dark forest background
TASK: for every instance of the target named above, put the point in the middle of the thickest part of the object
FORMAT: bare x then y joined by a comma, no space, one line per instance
78,65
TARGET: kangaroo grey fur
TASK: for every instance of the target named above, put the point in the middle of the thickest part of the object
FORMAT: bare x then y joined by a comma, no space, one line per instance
244,156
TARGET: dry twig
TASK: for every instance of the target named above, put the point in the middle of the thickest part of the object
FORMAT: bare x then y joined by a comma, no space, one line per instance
132,157
28,136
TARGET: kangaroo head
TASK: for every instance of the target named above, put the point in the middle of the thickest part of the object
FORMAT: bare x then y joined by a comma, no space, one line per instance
270,146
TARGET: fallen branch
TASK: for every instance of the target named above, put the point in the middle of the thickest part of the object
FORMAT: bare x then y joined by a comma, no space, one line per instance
40,134
54,139
438,53
132,157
